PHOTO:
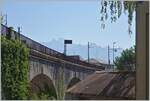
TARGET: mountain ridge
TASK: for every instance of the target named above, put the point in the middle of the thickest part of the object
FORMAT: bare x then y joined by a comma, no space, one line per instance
96,52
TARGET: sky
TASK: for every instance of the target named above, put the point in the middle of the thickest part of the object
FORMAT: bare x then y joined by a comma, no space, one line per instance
76,20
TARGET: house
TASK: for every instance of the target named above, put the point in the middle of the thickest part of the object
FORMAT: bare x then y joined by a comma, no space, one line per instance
104,85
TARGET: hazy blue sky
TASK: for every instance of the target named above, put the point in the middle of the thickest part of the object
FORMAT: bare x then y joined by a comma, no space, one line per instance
79,21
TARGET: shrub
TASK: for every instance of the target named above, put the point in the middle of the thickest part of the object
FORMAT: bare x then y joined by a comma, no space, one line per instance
14,69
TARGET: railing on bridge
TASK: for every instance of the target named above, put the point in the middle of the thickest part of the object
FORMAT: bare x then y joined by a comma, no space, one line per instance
41,48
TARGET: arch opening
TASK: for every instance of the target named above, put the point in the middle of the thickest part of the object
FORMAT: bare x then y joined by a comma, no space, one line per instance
73,82
42,87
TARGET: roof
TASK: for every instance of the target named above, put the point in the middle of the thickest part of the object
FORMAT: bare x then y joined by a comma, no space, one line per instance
107,84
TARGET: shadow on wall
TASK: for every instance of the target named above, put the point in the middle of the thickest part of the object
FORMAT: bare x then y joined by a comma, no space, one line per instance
42,88
73,82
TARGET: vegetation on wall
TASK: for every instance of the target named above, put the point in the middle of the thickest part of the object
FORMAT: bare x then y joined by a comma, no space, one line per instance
46,93
114,9
50,92
127,60
14,69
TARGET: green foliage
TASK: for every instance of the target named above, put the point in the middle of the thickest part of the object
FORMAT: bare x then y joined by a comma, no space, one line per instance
14,69
34,97
43,96
127,60
46,93
130,7
115,7
46,96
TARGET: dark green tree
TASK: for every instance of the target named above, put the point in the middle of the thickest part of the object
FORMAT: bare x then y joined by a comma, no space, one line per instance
127,60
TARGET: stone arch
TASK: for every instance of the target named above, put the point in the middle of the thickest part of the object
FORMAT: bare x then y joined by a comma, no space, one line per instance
42,86
73,82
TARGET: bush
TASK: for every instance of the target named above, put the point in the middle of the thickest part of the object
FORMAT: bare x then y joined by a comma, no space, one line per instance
14,69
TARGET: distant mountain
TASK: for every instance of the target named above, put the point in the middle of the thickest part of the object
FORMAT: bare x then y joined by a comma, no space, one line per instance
96,61
97,52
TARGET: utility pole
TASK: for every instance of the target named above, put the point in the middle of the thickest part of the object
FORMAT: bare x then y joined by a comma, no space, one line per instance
113,51
19,33
65,49
88,53
6,20
108,56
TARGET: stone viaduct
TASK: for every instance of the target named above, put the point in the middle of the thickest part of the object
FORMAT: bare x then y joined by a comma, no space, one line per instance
51,69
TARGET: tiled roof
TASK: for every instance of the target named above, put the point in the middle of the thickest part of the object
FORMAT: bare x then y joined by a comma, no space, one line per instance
107,84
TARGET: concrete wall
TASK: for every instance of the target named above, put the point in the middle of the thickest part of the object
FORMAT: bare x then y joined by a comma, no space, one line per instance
142,46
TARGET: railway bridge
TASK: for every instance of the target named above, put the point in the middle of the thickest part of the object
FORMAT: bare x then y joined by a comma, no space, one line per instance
50,69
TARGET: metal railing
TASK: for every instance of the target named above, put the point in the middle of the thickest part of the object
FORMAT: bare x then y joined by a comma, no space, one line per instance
41,48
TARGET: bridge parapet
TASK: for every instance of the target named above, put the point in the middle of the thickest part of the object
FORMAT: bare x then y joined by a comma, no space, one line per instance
43,49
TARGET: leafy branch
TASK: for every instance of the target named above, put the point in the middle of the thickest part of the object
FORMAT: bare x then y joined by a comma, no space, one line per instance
115,9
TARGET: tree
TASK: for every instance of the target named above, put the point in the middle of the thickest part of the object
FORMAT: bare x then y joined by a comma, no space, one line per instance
114,9
127,60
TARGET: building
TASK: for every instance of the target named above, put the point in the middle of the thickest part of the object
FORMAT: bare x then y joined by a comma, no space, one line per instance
104,85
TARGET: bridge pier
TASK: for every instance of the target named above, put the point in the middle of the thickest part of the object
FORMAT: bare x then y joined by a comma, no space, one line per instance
57,72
